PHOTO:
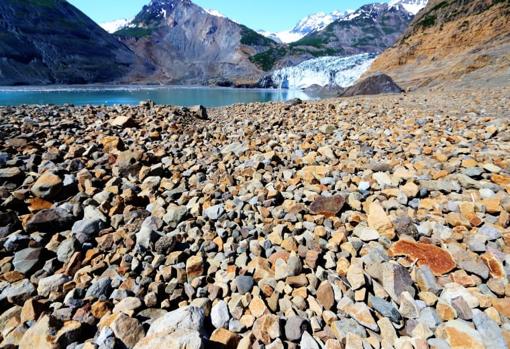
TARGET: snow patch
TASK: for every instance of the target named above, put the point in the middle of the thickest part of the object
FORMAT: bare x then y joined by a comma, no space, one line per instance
113,26
214,12
324,71
411,6
305,26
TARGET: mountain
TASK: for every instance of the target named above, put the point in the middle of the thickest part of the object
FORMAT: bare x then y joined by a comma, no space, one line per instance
113,26
189,45
411,6
52,42
305,26
452,42
370,29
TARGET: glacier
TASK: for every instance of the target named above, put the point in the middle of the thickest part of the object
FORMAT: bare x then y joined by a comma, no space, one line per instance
324,71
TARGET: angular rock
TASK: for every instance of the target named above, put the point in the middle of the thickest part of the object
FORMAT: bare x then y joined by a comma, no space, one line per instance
47,186
87,229
459,335
50,220
27,259
267,328
327,206
438,260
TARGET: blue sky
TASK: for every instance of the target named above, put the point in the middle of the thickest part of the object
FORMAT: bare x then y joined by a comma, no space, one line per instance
273,15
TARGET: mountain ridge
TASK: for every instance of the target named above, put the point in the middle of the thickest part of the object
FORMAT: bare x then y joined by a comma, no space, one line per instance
190,45
452,42
52,42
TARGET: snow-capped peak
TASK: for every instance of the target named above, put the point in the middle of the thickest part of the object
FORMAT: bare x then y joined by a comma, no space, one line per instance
116,25
317,21
305,26
411,6
214,12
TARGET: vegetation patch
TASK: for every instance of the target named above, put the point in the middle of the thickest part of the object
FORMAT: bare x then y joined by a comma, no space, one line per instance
428,21
267,59
252,38
309,41
136,32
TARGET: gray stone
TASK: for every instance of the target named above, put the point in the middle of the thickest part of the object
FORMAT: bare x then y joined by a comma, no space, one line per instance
395,280
429,317
16,242
386,309
26,260
145,236
87,229
463,310
426,279
307,342
165,244
214,212
244,284
188,318
491,232
294,328
345,326
65,250
220,315
19,291
51,283
489,330
437,343
100,289
174,214
50,220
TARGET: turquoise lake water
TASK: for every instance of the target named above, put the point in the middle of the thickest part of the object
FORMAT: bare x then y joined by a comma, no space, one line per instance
132,95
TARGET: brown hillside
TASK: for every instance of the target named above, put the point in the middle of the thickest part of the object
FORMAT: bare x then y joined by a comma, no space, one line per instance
452,42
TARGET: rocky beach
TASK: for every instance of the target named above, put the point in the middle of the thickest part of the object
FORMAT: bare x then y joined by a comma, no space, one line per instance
365,222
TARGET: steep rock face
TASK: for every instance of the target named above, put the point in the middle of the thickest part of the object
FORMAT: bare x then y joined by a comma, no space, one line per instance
51,42
452,42
189,45
370,29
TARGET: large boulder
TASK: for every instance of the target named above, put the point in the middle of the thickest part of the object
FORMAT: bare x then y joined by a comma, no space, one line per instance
179,329
373,85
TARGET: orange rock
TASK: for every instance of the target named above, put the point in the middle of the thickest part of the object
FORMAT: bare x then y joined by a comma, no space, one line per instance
502,305
225,338
438,260
460,335
327,206
495,266
38,204
492,205
12,276
379,220
446,312
502,180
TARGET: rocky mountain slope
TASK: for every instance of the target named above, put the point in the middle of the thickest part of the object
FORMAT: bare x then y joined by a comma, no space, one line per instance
370,29
411,6
51,42
305,26
188,44
452,42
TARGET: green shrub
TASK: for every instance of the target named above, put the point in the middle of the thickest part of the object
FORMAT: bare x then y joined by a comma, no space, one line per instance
267,59
252,38
428,21
136,32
